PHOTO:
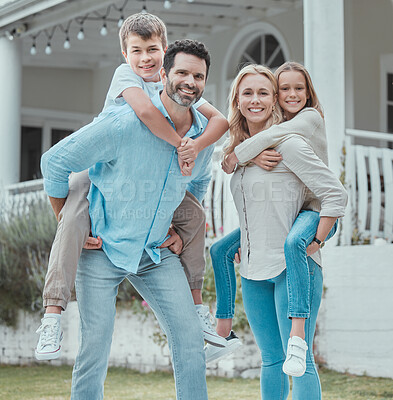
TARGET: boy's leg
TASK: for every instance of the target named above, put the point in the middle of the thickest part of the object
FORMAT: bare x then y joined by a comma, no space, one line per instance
189,220
72,232
165,289
71,235
97,283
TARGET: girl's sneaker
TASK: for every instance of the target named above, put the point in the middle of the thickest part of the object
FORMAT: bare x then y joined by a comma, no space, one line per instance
48,347
213,353
295,362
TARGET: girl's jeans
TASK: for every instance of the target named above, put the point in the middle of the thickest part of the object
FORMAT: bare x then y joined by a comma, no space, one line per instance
266,304
300,236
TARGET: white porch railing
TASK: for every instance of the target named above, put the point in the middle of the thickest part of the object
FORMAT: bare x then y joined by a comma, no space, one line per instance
369,181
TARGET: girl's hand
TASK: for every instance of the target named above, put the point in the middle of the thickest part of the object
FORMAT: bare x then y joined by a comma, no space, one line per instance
268,159
229,163
312,248
188,150
185,168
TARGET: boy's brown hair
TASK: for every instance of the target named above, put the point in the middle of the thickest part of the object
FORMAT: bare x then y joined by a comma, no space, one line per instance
144,25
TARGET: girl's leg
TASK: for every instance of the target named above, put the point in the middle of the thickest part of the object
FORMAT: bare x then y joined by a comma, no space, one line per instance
308,386
222,254
260,307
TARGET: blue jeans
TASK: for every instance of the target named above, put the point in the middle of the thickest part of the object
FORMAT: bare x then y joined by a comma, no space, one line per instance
300,236
266,304
165,289
222,255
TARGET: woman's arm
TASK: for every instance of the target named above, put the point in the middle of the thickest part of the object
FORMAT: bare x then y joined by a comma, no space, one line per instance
324,227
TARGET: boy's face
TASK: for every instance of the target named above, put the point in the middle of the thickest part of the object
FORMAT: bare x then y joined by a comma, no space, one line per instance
145,57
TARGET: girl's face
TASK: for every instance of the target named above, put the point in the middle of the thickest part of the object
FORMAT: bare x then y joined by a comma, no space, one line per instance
256,101
292,92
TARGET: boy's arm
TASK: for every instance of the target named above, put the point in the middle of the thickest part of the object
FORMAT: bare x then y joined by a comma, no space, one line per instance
150,115
216,127
303,124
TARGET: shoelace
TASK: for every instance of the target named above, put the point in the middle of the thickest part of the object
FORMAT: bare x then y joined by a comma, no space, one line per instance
48,334
207,318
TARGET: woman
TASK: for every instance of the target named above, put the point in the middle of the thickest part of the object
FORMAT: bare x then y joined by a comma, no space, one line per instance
268,204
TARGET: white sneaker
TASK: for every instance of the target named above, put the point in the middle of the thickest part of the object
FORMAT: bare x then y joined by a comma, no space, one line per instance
295,362
215,353
209,333
48,346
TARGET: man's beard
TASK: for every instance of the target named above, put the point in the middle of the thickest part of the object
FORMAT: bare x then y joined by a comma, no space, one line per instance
182,99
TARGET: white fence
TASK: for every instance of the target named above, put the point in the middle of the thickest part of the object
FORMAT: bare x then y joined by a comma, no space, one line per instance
369,181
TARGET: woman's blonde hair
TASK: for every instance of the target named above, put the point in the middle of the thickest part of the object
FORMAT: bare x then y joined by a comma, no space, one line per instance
312,100
238,128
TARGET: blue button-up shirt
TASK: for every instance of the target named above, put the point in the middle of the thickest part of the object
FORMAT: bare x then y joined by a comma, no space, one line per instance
136,183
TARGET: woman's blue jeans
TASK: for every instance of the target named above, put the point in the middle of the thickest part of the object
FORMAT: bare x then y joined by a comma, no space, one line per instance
300,236
266,304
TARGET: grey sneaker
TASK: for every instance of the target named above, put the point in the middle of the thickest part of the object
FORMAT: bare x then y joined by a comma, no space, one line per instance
209,333
216,353
48,346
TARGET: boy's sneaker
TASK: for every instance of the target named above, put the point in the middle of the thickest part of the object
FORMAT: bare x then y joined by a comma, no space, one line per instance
295,363
209,333
48,347
216,353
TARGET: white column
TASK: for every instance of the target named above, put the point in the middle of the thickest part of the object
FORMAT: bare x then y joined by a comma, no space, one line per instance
10,106
324,58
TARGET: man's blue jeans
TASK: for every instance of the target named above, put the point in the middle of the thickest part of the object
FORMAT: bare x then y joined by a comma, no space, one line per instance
300,236
165,289
266,304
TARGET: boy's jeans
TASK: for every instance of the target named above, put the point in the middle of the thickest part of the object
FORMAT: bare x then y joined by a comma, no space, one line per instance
165,289
74,227
300,236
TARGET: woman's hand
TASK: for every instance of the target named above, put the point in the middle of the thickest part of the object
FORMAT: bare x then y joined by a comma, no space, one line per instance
268,159
229,163
93,243
238,255
312,248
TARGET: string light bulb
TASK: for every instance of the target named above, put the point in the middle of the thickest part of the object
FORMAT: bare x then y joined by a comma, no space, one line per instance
167,4
48,49
33,49
144,10
104,30
120,21
81,34
67,43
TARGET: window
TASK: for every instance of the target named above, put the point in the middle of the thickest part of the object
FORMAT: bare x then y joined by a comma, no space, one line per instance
389,103
59,134
31,145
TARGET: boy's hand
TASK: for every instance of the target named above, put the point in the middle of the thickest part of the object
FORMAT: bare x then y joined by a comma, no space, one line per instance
268,159
174,243
93,243
229,163
185,168
188,150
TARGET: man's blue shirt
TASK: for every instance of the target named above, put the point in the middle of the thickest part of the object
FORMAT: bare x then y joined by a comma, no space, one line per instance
136,180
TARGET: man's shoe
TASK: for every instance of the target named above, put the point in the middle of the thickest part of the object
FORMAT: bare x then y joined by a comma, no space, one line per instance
295,363
209,333
48,347
215,353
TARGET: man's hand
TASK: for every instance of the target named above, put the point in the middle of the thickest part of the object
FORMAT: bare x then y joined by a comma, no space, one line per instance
238,255
312,248
229,163
268,159
174,243
93,243
188,150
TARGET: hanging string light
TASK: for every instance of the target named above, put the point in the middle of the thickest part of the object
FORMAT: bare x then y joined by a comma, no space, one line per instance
33,48
167,4
48,48
67,43
121,11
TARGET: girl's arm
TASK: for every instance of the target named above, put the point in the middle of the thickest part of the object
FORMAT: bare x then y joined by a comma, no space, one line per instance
216,127
150,115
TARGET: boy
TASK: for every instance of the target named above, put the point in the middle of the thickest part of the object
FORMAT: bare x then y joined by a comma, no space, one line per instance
143,41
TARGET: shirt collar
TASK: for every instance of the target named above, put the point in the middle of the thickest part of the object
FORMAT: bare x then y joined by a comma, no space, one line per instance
197,126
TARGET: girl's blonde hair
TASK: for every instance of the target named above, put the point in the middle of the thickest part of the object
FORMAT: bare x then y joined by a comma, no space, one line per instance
312,100
238,128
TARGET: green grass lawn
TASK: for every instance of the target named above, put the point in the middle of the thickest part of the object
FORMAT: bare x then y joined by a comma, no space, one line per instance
46,382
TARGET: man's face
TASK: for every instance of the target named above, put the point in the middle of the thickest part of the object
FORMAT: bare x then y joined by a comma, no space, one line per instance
145,57
186,79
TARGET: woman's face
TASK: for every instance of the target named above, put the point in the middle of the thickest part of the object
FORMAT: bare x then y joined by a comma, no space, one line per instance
292,92
256,100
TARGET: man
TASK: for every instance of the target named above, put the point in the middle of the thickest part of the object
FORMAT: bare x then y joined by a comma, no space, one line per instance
136,186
